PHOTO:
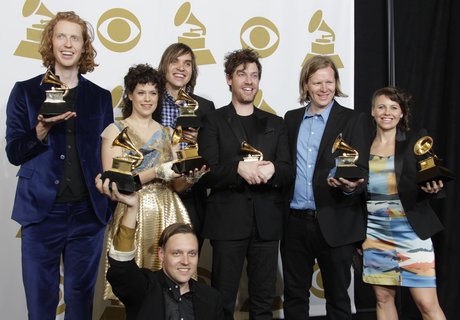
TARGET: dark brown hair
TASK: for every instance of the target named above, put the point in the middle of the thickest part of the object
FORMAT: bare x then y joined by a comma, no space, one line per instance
174,229
86,63
171,53
241,57
141,74
399,96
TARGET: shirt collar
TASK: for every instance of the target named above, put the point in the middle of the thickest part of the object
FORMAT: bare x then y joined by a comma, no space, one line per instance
169,98
324,114
173,288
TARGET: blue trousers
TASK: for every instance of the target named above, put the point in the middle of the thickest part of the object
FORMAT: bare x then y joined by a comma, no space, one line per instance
71,231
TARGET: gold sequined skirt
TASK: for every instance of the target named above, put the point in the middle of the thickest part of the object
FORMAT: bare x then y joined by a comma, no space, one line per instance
159,207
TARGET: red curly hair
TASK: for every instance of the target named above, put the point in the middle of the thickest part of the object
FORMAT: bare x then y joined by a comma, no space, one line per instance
86,63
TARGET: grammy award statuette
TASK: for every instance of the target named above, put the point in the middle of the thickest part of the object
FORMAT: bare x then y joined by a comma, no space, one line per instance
121,171
250,153
345,166
54,104
430,167
187,158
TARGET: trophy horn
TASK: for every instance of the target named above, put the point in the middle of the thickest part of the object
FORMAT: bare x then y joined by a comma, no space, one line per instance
423,146
340,144
123,140
246,147
176,136
50,78
186,98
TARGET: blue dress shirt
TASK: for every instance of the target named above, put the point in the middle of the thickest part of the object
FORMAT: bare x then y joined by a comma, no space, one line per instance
308,141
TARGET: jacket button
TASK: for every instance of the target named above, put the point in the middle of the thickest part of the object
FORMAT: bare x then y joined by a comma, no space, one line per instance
56,181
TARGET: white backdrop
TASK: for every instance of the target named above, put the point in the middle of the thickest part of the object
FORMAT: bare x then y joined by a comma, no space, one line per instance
131,32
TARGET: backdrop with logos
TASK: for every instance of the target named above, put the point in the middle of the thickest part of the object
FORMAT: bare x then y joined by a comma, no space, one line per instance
126,33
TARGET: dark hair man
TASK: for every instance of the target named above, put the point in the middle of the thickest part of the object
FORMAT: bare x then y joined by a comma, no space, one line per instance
169,293
245,207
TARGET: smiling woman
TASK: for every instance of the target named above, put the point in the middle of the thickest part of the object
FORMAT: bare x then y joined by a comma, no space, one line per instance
398,250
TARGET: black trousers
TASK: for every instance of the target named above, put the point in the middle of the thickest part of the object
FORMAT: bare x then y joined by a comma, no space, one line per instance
194,201
262,263
302,243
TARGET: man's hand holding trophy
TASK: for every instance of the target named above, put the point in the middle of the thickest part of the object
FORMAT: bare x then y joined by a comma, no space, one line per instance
346,174
254,169
345,166
188,159
54,104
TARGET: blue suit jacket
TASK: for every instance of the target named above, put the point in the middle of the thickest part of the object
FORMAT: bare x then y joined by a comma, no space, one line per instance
42,163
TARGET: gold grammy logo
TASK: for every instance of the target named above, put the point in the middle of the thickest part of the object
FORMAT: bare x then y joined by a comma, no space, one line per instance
117,101
29,48
317,287
325,44
195,36
260,103
260,34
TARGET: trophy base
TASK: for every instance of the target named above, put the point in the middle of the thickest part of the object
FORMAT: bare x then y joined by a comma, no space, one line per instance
189,121
434,174
126,182
185,165
51,109
351,173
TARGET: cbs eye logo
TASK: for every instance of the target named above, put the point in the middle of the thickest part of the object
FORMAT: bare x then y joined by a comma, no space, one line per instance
119,30
261,35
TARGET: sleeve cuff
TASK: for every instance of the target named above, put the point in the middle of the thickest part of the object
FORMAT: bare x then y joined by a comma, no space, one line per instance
121,255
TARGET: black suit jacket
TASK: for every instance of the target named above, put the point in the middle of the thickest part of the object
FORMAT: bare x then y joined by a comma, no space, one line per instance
341,217
141,291
415,201
205,106
195,199
233,205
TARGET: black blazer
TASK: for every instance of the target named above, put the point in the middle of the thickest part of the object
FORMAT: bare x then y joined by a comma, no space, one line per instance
341,217
233,204
415,201
141,291
205,106
195,199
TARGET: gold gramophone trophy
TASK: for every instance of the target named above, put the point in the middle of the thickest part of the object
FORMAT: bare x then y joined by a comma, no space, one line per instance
54,104
345,166
250,153
187,158
430,168
187,111
121,171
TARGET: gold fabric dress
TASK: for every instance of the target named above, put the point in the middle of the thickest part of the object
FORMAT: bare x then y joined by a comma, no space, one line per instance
159,205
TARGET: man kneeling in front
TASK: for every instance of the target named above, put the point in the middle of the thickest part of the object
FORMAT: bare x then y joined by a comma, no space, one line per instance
169,293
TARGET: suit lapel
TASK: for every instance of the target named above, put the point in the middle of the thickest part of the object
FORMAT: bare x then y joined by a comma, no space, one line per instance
329,130
235,124
401,143
262,129
294,134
